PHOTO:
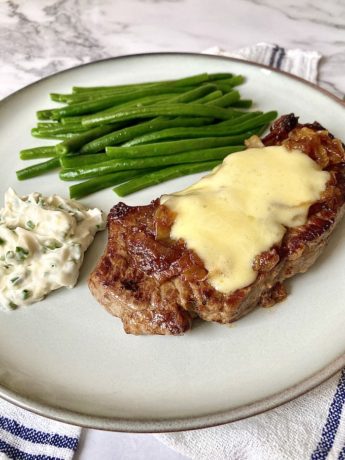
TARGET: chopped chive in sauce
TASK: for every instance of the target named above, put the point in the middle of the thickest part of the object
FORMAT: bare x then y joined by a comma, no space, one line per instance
15,280
26,294
30,224
21,253
2,241
13,306
53,245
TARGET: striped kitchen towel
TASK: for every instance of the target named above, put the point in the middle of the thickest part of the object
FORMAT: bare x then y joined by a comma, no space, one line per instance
312,427
26,436
299,62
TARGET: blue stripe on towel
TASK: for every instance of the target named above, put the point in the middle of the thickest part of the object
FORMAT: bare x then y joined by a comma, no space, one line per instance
37,437
16,454
273,55
332,423
280,57
342,454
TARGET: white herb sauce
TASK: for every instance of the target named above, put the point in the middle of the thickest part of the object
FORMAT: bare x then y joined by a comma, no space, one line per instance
42,245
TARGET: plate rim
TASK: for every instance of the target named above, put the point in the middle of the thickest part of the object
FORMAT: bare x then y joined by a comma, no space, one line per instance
187,423
181,53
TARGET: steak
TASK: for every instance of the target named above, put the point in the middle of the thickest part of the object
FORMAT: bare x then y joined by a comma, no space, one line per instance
156,285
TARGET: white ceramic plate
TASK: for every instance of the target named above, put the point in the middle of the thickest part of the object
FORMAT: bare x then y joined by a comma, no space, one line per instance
68,359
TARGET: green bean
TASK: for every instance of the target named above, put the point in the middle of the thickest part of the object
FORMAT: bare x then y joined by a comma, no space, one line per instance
71,120
188,96
44,114
172,134
170,110
147,100
96,105
76,142
133,102
226,85
73,98
163,175
42,132
184,97
122,135
40,135
225,128
188,81
166,132
240,118
78,161
38,152
243,103
84,97
70,115
142,101
209,97
132,131
226,99
46,124
38,169
124,164
250,123
194,94
219,76
87,187
170,148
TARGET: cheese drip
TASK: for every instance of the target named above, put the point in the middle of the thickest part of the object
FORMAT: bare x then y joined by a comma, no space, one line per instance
243,208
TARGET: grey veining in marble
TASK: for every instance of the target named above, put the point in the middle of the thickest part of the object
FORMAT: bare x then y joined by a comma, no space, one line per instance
40,37
318,12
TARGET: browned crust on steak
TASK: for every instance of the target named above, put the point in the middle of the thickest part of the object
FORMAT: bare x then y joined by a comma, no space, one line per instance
156,285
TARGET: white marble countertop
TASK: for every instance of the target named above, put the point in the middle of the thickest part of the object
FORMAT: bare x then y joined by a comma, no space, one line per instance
41,37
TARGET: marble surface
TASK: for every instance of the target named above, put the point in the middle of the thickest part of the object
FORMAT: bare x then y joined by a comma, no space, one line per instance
41,37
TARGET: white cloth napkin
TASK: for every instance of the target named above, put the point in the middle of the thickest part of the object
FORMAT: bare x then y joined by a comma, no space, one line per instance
26,436
310,427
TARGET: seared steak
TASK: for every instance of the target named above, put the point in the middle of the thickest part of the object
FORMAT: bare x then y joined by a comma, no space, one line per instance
156,285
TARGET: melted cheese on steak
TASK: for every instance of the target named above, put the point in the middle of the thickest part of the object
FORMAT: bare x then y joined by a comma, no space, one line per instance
243,208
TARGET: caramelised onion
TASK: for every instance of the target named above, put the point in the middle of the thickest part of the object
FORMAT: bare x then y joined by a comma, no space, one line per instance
318,145
164,218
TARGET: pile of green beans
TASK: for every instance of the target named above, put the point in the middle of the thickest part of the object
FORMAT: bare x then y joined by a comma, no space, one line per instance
134,136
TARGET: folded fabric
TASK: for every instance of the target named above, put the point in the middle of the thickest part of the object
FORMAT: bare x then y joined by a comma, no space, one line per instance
310,427
298,62
26,436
